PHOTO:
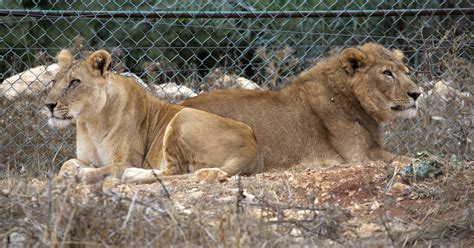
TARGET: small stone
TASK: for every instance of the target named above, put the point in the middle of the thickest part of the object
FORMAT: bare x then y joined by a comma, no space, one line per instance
368,229
374,205
248,196
399,188
196,194
295,232
349,235
5,192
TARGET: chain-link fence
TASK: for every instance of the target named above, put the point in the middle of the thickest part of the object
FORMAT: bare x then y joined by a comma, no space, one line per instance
183,48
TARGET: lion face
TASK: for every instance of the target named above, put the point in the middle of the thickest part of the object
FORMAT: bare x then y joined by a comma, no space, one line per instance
79,89
381,82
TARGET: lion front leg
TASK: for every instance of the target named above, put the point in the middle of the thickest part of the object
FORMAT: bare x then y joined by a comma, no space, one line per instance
82,172
96,174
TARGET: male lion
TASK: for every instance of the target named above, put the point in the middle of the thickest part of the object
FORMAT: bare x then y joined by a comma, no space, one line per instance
330,114
120,125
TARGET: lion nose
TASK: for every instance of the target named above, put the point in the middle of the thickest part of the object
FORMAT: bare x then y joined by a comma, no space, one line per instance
414,95
51,106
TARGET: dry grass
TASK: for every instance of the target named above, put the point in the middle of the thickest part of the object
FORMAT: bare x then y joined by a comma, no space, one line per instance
29,146
340,206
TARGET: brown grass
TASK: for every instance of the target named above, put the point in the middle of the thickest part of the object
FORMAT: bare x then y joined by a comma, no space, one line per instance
344,205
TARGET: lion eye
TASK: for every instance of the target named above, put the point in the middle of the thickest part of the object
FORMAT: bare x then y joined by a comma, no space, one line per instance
74,83
388,73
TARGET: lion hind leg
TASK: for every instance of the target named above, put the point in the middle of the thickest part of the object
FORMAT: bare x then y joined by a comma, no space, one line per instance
210,174
246,162
140,175
200,175
235,166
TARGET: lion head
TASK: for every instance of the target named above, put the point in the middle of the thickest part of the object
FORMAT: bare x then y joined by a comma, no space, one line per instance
380,81
79,88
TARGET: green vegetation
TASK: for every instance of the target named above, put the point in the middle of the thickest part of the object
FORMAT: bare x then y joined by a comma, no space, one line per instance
190,47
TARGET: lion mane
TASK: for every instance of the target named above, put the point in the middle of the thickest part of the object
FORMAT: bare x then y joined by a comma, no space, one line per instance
330,114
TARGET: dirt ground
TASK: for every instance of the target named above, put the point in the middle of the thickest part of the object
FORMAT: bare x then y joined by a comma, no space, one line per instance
345,206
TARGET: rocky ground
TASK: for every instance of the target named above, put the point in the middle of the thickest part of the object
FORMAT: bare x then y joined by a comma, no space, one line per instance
347,205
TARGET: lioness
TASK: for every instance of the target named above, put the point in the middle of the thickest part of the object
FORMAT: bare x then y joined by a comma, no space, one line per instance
330,114
119,126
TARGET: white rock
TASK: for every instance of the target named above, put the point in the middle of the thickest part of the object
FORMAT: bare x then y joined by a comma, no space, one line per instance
172,92
246,84
447,92
168,91
29,82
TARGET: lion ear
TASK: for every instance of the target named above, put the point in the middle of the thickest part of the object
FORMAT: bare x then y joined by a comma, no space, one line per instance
352,59
398,54
65,58
99,63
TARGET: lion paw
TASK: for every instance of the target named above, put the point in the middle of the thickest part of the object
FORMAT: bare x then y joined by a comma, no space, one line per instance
210,174
70,168
139,174
74,169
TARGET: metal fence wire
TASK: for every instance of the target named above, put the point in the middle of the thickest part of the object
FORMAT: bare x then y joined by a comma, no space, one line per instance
180,49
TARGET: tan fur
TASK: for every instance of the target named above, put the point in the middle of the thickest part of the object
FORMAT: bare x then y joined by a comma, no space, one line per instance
124,131
330,114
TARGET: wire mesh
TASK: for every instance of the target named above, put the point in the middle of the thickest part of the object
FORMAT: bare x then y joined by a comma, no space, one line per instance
200,45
